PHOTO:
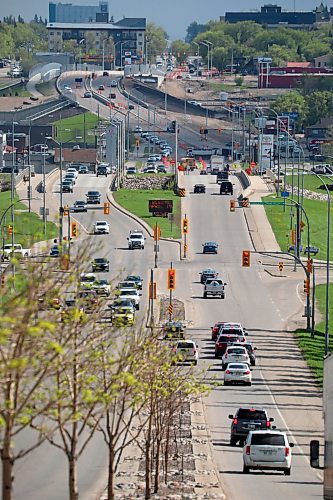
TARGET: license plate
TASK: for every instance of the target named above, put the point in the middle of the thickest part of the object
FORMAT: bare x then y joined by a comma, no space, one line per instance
252,426
268,452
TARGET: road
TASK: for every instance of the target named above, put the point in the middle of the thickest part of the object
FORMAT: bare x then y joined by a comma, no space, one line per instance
281,382
34,479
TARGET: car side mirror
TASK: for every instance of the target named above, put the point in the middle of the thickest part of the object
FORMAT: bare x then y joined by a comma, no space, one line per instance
230,416
225,284
254,348
271,419
291,445
246,334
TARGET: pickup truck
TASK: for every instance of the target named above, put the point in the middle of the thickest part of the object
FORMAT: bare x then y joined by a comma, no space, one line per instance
136,240
93,197
214,286
15,250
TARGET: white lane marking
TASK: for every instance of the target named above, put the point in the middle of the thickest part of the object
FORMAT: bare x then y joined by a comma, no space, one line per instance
298,293
285,423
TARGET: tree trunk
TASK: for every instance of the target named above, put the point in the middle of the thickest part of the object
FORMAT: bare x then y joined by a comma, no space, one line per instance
147,457
73,491
111,495
157,464
7,467
166,452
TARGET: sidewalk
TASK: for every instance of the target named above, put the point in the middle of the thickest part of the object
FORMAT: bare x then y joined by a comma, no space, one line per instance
260,230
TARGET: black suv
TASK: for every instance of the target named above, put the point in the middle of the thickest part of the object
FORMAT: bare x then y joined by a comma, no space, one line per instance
226,187
222,176
102,171
100,265
246,420
199,188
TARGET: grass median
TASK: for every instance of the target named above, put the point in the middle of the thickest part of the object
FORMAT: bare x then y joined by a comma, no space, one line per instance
313,349
280,221
68,129
28,227
136,202
310,182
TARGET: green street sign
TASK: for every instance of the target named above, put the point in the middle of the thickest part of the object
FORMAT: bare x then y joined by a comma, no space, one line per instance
267,203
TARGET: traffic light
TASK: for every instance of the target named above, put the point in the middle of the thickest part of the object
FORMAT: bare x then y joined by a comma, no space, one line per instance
66,210
185,226
171,279
306,286
157,232
106,208
9,230
232,205
74,229
246,258
309,265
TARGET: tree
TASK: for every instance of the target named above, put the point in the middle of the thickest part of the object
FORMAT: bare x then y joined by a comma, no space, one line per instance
156,39
193,30
293,101
180,50
29,349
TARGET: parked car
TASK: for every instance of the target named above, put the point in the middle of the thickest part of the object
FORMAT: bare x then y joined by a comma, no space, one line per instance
267,450
131,171
87,94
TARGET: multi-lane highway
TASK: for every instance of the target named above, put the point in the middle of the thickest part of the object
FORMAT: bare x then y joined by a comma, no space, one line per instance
281,381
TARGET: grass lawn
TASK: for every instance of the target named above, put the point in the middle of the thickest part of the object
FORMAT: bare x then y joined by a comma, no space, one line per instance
28,228
317,213
19,91
137,203
313,349
76,126
311,182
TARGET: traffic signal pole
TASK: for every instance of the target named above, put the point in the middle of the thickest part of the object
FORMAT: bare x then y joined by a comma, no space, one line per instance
170,299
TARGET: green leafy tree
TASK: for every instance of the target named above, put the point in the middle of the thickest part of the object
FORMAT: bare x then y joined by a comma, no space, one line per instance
156,39
193,30
180,50
293,101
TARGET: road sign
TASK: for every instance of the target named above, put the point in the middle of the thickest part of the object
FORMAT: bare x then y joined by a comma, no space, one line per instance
280,266
267,203
170,309
160,206
285,194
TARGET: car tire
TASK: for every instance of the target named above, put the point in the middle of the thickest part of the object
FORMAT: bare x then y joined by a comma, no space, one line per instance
233,441
205,295
195,362
222,296
249,383
246,469
216,356
287,472
226,383
223,367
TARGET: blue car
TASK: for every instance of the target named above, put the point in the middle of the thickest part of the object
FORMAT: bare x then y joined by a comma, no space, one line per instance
209,247
54,252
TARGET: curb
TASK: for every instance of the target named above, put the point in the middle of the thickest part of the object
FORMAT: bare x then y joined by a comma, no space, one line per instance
275,275
139,221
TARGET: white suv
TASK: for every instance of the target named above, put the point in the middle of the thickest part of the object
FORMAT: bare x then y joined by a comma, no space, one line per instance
132,294
267,450
235,354
186,350
101,227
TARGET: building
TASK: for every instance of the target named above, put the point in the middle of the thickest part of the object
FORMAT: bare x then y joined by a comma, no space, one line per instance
272,16
128,37
317,133
69,13
323,61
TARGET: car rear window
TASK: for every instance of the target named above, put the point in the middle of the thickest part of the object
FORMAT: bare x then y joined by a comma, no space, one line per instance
239,366
236,351
185,345
268,439
227,338
251,413
233,331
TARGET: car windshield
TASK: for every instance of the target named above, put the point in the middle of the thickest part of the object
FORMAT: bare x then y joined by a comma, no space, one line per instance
128,292
268,439
136,236
100,260
250,413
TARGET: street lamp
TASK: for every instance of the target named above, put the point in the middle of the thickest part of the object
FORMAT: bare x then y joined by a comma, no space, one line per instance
208,47
210,52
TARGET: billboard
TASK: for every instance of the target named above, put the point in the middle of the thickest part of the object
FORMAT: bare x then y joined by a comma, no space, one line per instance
266,150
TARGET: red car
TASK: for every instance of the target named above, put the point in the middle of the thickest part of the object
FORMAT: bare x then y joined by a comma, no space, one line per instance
224,340
215,329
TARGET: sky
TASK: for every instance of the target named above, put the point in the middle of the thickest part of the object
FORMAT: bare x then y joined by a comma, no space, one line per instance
173,15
